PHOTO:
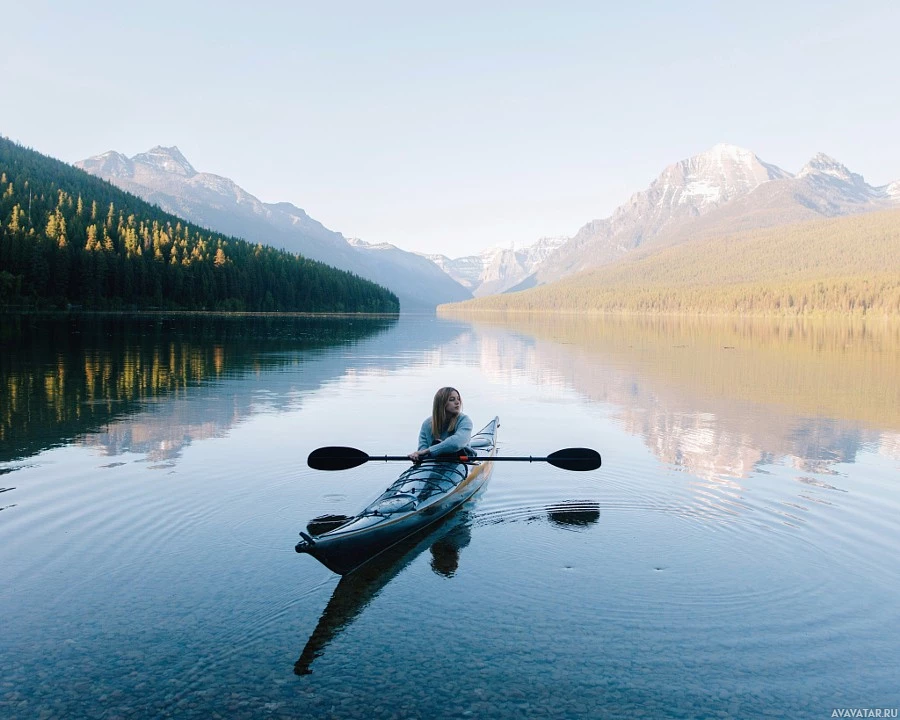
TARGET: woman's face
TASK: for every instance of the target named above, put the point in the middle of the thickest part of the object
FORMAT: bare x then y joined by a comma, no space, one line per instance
454,404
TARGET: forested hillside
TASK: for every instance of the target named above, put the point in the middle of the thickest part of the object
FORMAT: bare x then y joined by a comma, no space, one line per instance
68,238
840,266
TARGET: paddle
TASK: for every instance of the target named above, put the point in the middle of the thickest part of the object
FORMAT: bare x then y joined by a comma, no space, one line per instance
344,458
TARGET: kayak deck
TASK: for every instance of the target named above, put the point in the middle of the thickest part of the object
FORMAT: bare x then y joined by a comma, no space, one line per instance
420,496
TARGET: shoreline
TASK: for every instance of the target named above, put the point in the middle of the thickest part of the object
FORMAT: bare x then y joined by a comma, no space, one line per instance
194,313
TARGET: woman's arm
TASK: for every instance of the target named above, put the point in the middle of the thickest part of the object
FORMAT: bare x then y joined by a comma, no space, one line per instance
457,441
425,439
425,436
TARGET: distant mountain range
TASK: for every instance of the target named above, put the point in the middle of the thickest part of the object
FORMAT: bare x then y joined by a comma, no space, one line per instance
498,269
722,191
163,176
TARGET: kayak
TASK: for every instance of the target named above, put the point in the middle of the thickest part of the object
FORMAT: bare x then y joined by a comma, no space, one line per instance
422,495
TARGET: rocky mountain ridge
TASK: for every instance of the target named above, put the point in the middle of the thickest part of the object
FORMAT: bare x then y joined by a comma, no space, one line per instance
724,190
497,269
164,177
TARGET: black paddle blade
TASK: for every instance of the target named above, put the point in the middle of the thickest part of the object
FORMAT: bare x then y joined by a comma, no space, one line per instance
575,459
336,457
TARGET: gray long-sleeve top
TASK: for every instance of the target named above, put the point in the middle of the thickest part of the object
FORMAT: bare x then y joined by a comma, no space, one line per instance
448,442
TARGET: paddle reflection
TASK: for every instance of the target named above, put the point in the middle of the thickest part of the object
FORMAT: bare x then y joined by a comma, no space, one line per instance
359,588
574,514
567,515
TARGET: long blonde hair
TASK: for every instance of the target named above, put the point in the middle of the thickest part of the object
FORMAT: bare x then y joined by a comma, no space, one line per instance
439,412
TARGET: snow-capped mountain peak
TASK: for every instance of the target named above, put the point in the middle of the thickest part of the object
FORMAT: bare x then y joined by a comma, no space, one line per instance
727,150
167,159
358,243
893,191
711,178
724,189
724,157
826,164
111,164
499,268
823,164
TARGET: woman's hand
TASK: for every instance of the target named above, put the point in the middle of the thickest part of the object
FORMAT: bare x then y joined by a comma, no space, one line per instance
418,456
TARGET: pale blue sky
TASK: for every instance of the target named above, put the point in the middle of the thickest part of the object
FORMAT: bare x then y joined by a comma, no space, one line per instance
454,128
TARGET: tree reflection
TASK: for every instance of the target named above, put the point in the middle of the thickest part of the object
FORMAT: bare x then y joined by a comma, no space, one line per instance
66,376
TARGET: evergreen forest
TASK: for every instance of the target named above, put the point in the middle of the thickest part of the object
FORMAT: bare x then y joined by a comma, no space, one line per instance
68,239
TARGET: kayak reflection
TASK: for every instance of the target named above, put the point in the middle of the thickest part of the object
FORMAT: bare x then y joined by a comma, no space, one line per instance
357,589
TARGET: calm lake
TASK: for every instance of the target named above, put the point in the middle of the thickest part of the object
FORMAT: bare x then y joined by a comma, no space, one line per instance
735,556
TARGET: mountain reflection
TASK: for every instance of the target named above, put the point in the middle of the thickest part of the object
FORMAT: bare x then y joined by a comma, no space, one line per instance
74,376
719,397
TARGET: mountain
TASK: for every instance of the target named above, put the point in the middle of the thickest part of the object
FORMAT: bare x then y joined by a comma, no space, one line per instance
498,269
418,276
466,270
163,176
842,266
892,192
724,190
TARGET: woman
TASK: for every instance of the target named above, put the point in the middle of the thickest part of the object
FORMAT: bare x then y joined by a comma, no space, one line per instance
448,430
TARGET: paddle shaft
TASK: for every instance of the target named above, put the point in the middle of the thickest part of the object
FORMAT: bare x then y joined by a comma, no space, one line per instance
344,458
458,458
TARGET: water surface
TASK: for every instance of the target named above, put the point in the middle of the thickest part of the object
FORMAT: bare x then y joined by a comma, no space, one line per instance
735,556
